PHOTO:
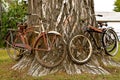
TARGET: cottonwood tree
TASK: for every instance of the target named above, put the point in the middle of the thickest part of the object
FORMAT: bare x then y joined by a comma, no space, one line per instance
56,11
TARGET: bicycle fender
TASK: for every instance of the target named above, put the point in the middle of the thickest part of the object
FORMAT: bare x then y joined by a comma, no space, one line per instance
54,32
109,28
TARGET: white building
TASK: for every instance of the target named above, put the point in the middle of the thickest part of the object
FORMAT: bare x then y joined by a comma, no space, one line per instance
112,19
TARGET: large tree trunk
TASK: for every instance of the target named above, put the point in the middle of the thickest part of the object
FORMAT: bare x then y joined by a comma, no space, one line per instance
57,11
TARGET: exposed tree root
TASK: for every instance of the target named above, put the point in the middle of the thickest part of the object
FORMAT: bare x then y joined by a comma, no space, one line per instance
69,67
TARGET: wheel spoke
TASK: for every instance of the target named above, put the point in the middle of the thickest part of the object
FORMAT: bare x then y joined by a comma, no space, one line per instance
80,49
13,52
110,42
55,55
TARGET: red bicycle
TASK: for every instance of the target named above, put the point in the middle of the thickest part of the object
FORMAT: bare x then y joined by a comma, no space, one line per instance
48,46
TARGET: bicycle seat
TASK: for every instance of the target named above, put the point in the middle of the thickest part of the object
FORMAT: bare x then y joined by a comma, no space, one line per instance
22,26
91,28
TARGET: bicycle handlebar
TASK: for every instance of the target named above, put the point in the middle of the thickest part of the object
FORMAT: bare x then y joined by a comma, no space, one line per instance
35,15
41,20
99,15
91,16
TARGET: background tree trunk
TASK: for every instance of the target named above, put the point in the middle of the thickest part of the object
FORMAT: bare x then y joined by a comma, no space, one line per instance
57,12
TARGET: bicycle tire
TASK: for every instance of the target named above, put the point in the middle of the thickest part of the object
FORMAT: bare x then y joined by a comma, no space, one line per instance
80,49
53,57
110,42
13,52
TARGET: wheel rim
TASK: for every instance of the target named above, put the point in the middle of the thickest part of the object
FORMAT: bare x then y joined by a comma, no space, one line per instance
53,57
14,53
80,49
111,42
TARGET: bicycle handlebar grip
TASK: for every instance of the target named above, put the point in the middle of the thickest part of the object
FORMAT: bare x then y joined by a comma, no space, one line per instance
31,14
27,13
99,15
43,19
34,15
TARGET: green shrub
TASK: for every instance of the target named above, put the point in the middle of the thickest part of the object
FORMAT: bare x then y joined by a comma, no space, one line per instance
14,14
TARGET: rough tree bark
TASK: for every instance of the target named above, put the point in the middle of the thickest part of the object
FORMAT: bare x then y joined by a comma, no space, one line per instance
56,11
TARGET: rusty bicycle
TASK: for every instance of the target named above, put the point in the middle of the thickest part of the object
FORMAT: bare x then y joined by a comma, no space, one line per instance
48,46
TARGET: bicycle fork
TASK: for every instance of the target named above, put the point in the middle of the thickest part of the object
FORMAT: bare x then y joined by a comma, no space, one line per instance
50,41
98,47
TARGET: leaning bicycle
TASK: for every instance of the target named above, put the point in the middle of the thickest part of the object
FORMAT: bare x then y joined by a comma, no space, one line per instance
81,49
48,47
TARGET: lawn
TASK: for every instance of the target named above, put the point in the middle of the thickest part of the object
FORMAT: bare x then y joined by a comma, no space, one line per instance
6,73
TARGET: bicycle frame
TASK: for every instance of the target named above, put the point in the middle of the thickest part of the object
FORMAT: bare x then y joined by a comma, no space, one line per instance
45,40
23,37
95,42
43,34
25,44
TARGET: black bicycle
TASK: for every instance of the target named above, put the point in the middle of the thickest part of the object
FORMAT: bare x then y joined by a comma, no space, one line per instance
81,49
108,38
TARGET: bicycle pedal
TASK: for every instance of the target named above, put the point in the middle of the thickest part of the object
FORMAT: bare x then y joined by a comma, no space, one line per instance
28,53
99,51
19,55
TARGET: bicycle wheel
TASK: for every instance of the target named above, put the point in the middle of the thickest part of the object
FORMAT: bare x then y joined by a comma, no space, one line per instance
110,42
13,52
54,55
80,49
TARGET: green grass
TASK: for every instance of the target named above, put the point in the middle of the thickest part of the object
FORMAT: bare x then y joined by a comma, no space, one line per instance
4,58
6,73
